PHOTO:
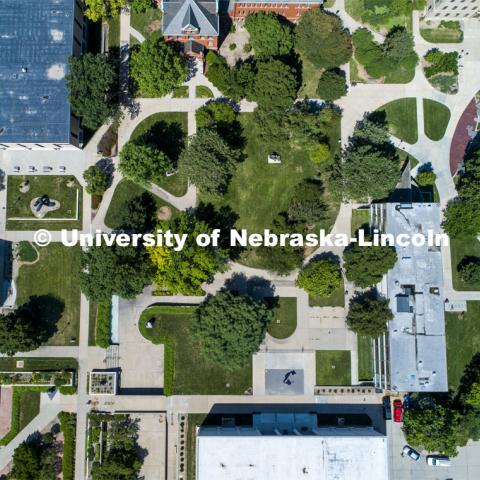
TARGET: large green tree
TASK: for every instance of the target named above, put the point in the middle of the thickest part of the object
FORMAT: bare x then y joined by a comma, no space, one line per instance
20,331
143,164
98,9
321,38
97,180
276,85
321,277
222,117
270,36
209,162
157,68
368,314
231,328
184,271
92,82
307,206
107,271
366,265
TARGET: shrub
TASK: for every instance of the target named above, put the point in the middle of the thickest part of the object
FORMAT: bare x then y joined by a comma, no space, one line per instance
140,6
68,426
102,325
247,48
320,153
441,62
469,270
232,46
332,85
320,278
425,179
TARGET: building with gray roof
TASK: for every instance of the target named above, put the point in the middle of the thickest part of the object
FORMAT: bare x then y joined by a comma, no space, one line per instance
415,348
36,40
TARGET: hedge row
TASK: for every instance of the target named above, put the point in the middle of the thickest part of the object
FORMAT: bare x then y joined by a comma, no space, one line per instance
102,325
68,425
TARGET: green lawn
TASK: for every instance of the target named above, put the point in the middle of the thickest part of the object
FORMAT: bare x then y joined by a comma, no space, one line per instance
284,321
201,91
463,341
92,319
460,249
18,203
26,251
445,82
310,77
147,22
365,358
53,281
114,31
336,299
442,34
193,373
8,364
25,407
333,367
168,132
180,92
360,220
125,191
401,117
436,117
259,191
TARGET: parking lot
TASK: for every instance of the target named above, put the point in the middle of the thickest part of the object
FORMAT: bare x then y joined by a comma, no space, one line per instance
466,466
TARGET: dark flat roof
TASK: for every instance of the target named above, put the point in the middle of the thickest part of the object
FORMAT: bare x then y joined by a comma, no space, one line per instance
36,39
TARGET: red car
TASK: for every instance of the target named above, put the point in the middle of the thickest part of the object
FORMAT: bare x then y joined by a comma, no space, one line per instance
397,411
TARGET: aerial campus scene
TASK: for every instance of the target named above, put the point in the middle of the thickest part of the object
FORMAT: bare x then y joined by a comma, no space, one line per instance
240,239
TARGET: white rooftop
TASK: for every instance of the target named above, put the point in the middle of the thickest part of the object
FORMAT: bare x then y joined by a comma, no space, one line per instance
331,454
415,290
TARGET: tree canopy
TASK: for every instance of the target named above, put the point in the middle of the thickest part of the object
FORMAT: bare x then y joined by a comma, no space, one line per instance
332,85
231,328
98,9
321,277
184,271
92,82
269,35
209,162
321,38
143,164
97,180
107,271
469,269
366,265
156,67
307,206
368,314
20,331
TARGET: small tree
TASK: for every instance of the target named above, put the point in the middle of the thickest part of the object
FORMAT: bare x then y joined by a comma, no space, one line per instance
209,162
221,117
143,164
461,219
321,38
231,328
98,9
426,178
20,332
399,44
92,83
469,270
332,85
368,315
157,68
320,278
97,180
140,6
269,36
366,265
320,153
307,205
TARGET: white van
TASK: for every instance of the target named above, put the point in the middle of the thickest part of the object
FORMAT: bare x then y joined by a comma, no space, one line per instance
438,461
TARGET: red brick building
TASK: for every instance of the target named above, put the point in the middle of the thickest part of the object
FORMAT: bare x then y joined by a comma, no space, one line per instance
195,24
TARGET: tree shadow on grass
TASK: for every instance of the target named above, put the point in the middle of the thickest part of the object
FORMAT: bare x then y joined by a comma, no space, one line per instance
46,311
256,287
167,137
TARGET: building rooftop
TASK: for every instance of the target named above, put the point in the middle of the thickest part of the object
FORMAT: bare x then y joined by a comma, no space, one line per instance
36,39
415,289
190,17
331,454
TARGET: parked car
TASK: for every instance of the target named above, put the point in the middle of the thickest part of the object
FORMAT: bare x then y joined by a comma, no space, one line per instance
410,452
397,411
387,408
438,461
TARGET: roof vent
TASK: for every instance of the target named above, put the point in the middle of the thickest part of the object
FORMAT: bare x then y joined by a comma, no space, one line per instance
24,69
